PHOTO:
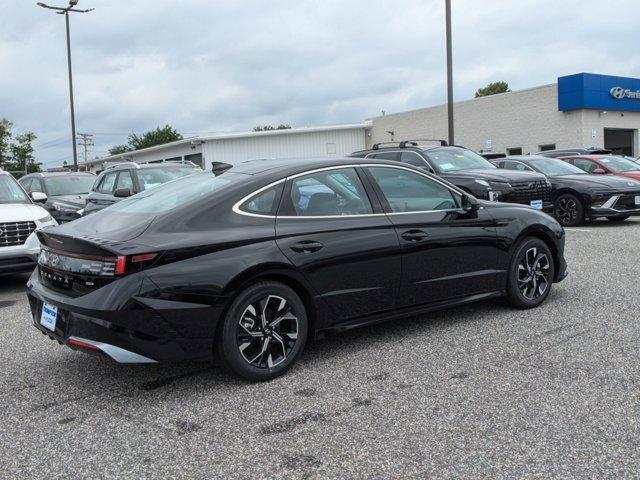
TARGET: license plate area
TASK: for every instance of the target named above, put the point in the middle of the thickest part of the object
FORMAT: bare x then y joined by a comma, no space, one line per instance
49,316
537,204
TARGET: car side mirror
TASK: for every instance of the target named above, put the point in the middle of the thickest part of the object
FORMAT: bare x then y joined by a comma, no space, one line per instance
122,193
39,197
469,203
599,171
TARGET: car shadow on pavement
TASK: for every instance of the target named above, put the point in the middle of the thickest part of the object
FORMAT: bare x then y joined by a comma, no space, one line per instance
134,380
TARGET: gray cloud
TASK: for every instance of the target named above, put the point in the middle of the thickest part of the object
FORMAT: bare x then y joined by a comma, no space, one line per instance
207,66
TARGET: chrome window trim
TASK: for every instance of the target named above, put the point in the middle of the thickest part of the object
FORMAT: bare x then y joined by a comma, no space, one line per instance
236,207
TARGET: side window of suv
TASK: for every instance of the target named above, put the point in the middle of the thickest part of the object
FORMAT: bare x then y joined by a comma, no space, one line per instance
385,155
412,158
107,183
26,183
125,180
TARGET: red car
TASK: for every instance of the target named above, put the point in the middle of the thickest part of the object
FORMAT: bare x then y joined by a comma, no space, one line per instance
605,165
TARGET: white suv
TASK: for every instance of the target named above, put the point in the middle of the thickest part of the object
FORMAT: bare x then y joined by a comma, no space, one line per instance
19,220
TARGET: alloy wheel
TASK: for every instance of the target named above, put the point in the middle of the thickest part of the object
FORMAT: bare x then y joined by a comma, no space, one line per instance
533,273
566,211
267,331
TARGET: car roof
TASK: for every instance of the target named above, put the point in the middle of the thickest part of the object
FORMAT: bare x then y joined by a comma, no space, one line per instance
57,174
292,166
424,148
524,158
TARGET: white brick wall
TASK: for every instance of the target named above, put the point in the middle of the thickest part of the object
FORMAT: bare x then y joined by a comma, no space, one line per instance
526,119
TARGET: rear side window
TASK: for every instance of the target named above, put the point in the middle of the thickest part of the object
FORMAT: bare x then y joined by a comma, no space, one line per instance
328,193
106,185
264,203
125,180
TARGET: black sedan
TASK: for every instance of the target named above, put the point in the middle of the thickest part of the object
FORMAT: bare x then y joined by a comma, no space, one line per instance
66,191
248,263
578,196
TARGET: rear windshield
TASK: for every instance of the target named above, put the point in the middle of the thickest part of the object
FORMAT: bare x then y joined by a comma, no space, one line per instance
177,193
10,191
69,184
153,177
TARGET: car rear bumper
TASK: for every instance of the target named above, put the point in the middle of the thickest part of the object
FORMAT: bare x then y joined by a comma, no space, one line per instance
132,334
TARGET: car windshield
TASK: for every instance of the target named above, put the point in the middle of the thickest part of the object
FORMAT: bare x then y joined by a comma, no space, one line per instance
454,159
10,191
153,177
619,164
175,193
69,184
553,168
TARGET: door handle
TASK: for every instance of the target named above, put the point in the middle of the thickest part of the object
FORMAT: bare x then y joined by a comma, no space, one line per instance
306,246
415,235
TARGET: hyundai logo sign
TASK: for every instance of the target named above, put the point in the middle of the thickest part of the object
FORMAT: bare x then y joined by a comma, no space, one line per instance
620,93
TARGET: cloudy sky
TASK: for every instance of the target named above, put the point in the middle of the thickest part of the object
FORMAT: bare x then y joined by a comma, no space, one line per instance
209,66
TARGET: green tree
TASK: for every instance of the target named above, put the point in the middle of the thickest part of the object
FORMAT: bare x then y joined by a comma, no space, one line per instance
17,153
266,128
151,138
118,149
492,89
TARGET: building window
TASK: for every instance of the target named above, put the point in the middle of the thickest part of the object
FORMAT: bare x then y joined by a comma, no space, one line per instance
195,158
173,159
514,151
547,146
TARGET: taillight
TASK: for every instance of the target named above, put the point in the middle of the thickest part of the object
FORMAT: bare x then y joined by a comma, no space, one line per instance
93,265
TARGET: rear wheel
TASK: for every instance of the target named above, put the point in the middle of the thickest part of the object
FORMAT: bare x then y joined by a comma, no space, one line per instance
568,210
263,333
617,219
531,274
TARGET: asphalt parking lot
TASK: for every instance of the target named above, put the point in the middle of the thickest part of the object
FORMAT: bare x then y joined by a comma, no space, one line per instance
471,392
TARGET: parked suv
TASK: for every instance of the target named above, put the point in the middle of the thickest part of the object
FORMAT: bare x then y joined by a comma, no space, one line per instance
125,179
469,171
66,191
19,219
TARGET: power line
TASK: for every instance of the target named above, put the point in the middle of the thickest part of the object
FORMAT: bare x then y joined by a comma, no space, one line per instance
86,141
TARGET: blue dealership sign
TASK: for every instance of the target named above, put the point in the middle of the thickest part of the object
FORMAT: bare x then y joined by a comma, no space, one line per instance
598,92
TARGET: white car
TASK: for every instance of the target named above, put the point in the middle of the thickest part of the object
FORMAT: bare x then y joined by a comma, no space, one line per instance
20,218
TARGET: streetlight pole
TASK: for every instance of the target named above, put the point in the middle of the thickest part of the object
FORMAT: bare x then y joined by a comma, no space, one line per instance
449,72
65,11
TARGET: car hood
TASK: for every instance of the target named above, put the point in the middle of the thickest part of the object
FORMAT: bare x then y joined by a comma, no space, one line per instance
601,182
496,175
21,212
77,200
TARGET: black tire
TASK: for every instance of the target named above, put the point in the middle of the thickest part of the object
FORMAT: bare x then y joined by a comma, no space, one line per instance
568,210
530,268
256,350
617,219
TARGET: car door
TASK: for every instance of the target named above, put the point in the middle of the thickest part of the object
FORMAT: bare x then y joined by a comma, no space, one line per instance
338,237
446,252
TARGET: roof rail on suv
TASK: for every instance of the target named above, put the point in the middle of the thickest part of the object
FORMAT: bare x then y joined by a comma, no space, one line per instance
122,164
180,162
413,142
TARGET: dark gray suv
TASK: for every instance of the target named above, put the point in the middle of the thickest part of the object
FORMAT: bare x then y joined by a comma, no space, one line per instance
125,179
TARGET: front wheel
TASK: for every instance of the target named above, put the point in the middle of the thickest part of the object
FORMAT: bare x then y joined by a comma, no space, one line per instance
568,210
263,333
531,274
617,219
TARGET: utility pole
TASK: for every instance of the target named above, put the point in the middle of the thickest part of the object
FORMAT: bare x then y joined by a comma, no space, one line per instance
449,72
86,140
65,11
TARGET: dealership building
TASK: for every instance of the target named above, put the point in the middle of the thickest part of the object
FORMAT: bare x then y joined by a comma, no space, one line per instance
581,110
